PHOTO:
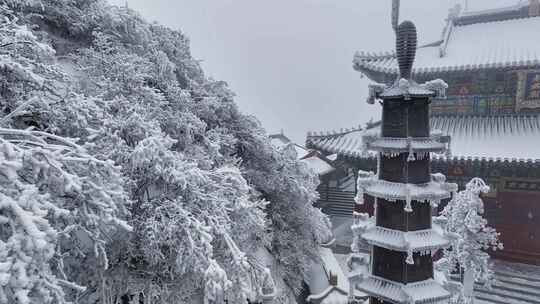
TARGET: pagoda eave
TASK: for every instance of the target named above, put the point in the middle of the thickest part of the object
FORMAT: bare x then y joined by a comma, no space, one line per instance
423,292
386,145
414,241
429,192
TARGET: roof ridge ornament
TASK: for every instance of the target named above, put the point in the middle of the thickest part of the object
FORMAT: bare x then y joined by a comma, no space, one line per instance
406,42
395,14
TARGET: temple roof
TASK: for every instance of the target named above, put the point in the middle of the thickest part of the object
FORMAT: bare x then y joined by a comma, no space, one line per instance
313,159
498,138
318,280
470,41
280,141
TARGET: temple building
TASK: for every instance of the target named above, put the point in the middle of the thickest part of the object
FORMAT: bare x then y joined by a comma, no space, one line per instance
315,160
488,122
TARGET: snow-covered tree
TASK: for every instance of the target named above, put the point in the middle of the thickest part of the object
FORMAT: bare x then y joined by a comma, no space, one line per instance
471,237
146,181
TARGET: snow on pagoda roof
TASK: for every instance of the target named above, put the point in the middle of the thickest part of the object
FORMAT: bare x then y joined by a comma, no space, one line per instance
500,44
432,191
398,145
405,87
496,138
423,292
421,240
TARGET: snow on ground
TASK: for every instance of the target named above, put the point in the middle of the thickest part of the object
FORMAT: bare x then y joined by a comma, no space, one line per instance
318,280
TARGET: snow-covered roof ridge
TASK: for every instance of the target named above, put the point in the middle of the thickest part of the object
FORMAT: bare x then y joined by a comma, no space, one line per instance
497,44
406,88
423,292
333,133
518,10
491,11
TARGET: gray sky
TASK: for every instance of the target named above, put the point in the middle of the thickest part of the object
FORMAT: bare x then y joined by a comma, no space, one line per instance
290,61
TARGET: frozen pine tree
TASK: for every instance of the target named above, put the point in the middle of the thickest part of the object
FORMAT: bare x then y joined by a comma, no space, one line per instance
131,176
463,220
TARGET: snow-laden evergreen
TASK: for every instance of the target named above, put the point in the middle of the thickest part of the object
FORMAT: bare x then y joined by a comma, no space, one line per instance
471,237
127,174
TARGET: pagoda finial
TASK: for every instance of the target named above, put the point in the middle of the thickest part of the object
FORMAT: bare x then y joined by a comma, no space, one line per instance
395,14
406,42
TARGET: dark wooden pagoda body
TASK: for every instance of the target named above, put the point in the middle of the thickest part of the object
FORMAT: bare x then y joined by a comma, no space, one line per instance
404,190
403,118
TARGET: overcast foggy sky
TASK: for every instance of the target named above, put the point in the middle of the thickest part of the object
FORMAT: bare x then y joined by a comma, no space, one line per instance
290,61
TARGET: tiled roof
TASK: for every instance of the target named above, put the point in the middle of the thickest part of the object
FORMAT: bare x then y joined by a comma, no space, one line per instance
492,137
318,165
421,240
499,44
424,292
497,138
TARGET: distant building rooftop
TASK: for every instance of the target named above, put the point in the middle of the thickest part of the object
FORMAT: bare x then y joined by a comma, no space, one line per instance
510,137
314,160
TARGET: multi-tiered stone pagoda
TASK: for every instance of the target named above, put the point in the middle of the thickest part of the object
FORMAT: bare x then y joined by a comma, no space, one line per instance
400,234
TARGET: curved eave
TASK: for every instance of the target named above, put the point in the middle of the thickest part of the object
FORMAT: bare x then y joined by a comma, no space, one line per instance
402,145
416,241
429,192
370,69
423,292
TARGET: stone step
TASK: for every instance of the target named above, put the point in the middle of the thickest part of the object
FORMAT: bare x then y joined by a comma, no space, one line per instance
339,206
508,296
338,199
338,202
339,213
508,291
496,299
524,289
527,277
520,281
